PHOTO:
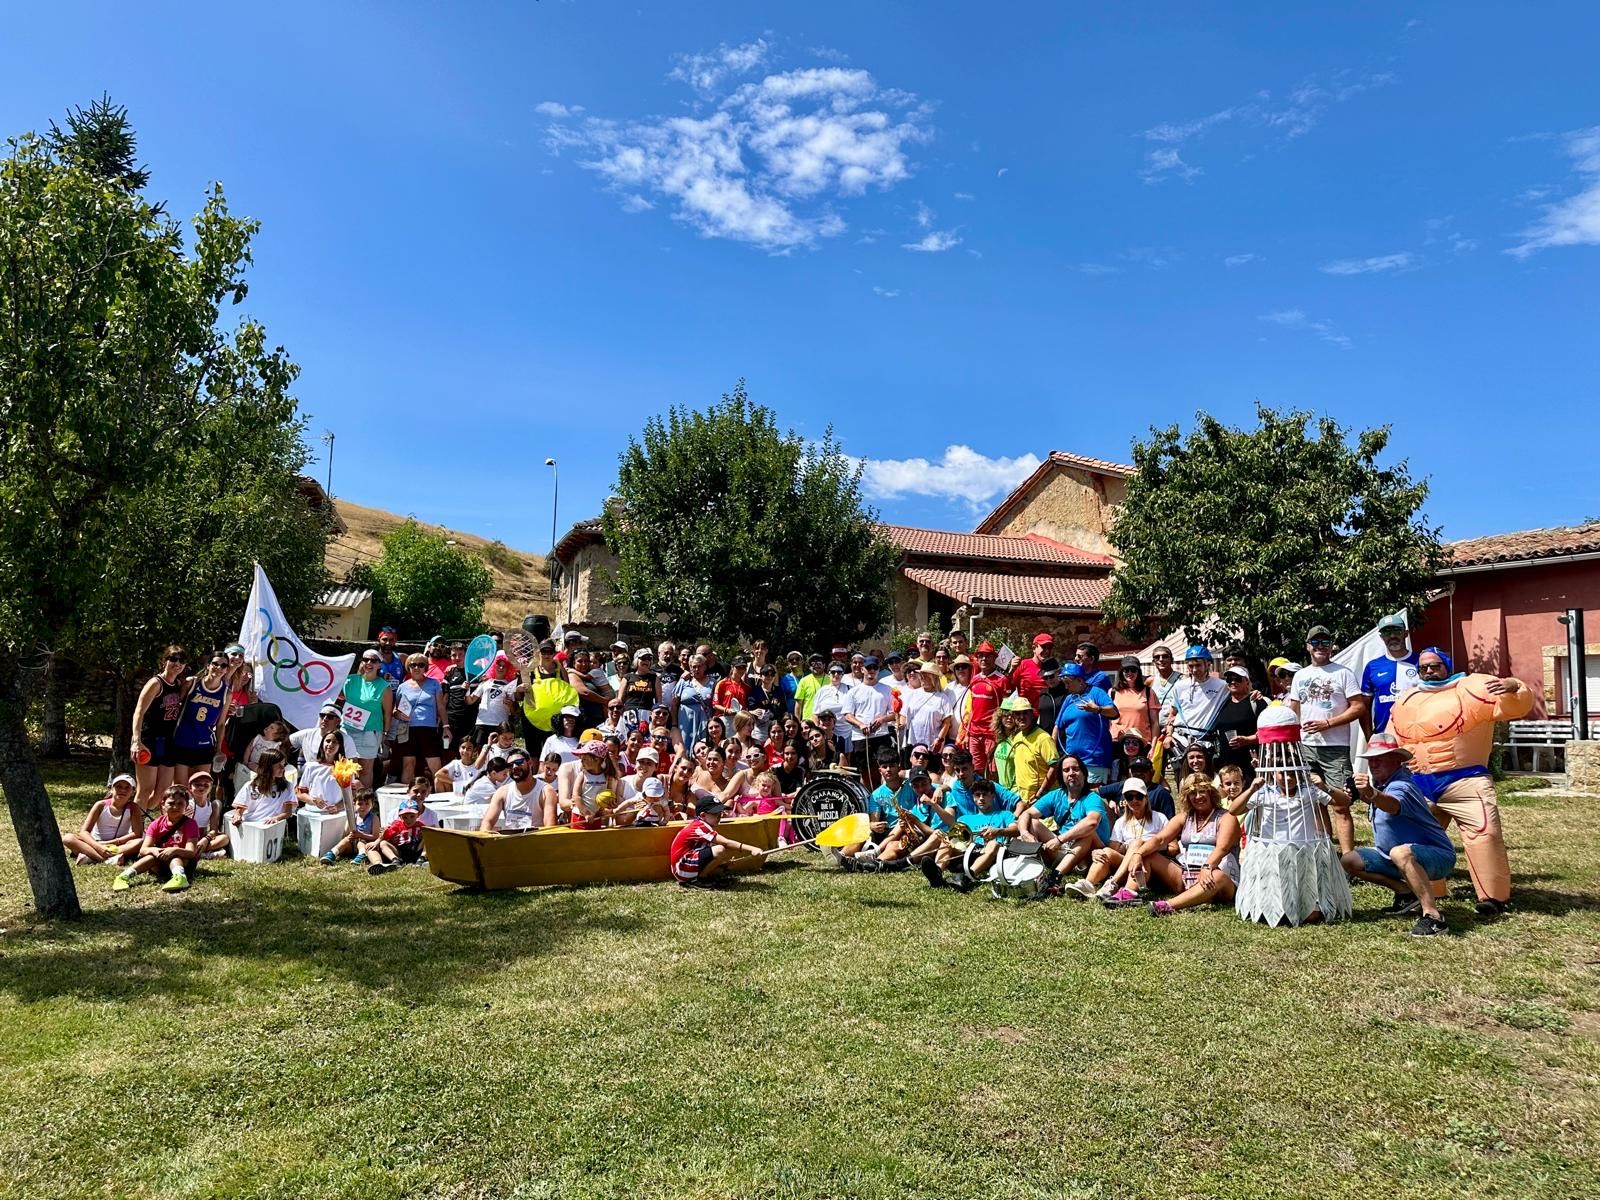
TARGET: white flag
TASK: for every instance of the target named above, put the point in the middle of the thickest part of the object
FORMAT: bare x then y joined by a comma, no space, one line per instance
288,672
1356,656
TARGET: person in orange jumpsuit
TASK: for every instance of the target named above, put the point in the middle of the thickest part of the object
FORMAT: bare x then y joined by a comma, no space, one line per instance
1447,722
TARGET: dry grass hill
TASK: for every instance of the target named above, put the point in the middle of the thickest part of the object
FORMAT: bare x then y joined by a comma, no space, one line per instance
520,583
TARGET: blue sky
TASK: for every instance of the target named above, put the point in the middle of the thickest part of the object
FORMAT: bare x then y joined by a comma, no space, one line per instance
962,236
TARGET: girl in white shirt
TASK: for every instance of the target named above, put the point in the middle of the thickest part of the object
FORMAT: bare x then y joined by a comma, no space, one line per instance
1116,870
460,772
267,799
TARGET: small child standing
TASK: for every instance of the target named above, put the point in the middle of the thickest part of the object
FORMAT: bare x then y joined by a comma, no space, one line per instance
168,848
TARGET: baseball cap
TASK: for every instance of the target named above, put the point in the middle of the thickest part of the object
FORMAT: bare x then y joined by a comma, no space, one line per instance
1319,631
1197,651
835,668
1392,621
1292,667
917,774
1237,673
1383,744
839,650
388,629
871,662
547,646
409,806
1073,671
1141,764
595,746
653,788
1280,661
1134,787
328,710
572,635
1043,639
984,648
648,754
571,710
894,656
619,645
1129,660
707,804
818,657
127,779
233,648
1015,703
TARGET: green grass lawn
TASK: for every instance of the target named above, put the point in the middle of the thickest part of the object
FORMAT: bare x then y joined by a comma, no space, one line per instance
300,1031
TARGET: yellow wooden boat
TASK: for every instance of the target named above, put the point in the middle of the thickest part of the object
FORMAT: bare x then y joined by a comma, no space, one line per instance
494,861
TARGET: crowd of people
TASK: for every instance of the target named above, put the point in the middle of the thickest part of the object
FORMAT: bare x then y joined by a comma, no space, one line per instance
1130,784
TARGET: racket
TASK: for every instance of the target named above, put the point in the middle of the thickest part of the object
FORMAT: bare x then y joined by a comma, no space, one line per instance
521,648
480,656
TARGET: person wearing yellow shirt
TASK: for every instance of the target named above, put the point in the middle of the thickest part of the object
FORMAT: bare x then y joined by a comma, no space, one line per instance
1033,754
805,691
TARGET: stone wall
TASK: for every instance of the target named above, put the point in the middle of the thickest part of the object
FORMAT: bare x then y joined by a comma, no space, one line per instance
588,593
1069,506
1583,767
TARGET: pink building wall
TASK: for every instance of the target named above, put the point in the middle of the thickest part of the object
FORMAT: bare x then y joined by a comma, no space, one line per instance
1505,617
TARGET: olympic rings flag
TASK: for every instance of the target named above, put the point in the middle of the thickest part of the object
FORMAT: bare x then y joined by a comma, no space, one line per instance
288,672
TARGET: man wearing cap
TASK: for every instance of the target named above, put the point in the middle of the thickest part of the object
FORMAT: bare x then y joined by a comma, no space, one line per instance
1385,678
1083,726
1053,696
987,689
1447,722
699,851
307,742
1410,847
1190,709
1032,751
1327,697
924,709
1028,674
872,719
806,688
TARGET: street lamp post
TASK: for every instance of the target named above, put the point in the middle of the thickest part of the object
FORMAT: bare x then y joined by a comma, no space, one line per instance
555,496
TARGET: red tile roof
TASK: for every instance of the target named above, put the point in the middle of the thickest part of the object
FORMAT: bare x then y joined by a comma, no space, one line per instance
1525,545
1105,467
1015,591
991,547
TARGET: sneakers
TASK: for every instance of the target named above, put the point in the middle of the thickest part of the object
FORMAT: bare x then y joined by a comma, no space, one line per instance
1160,908
1404,905
176,884
1122,898
1080,889
377,868
1429,927
119,884
359,860
330,858
932,873
1492,908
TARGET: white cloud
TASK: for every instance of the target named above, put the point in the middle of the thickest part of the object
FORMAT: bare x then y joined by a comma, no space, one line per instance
963,196
1574,221
554,108
962,474
765,165
1370,266
635,203
936,242
886,293
1001,172
924,216
1295,318
704,72
1293,116
1238,260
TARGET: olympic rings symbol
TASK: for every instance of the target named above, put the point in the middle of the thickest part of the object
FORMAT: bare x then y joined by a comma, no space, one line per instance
302,675
274,644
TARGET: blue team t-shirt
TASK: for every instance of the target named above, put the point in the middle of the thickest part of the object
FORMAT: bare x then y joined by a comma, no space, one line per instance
989,822
1067,813
1086,734
960,797
1384,679
881,804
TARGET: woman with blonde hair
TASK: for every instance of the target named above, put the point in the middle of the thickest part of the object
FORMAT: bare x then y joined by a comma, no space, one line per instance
1207,868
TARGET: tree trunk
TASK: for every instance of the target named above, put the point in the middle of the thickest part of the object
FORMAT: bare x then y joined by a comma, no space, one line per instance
126,696
58,682
54,894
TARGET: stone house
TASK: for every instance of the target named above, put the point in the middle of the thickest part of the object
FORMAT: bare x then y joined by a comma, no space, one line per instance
1070,499
581,566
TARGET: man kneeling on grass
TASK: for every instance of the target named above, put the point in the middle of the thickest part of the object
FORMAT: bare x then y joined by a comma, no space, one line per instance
987,827
698,851
169,847
1412,849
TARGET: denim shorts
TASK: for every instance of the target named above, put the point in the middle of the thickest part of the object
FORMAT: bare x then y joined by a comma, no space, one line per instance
1436,862
1098,775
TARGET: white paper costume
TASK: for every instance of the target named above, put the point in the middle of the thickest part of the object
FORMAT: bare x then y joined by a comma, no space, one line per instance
1290,867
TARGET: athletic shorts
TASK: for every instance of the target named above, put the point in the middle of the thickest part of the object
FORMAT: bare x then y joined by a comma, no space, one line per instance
164,753
364,742
425,742
692,865
193,756
410,852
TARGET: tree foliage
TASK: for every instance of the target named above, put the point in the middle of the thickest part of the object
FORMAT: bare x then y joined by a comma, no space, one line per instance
423,585
729,528
116,379
1272,529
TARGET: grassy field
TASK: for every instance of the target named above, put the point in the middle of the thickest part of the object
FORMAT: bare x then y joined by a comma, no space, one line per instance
297,1031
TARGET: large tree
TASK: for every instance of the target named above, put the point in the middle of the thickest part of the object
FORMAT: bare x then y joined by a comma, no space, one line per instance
424,584
1270,530
113,368
728,527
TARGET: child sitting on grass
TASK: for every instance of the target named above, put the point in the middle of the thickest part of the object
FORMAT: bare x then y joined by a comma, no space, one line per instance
699,851
168,848
113,828
358,841
401,841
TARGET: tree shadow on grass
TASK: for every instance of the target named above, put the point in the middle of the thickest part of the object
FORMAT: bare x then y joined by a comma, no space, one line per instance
400,942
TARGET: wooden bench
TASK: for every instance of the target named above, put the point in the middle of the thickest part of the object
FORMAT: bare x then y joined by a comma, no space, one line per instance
1537,737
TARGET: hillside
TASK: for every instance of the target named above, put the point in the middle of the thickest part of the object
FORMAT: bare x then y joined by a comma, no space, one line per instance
520,583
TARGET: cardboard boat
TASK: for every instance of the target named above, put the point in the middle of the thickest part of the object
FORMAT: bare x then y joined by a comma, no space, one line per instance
494,861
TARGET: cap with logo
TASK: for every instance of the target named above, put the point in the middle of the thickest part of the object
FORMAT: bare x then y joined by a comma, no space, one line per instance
1043,639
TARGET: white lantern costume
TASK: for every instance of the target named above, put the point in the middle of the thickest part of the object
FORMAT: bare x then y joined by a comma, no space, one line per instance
1290,868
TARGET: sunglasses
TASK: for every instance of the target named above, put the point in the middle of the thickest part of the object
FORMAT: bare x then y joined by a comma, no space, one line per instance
177,658
1435,666
1320,642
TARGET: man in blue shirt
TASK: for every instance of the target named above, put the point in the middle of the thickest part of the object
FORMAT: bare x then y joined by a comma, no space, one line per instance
1384,679
987,826
1411,847
1087,656
1083,726
1082,825
956,788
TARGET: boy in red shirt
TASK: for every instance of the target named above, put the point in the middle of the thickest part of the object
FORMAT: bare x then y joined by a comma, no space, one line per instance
401,841
698,850
169,845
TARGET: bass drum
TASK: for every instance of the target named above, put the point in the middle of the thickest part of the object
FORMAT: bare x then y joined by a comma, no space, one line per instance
823,799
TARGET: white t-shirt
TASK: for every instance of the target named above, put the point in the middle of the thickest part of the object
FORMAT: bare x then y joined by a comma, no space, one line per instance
568,746
868,702
308,741
1129,829
1195,705
262,806
837,701
1322,694
495,697
924,712
480,790
461,775
955,696
322,787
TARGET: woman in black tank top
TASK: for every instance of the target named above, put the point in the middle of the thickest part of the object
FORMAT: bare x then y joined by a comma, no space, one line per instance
155,719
